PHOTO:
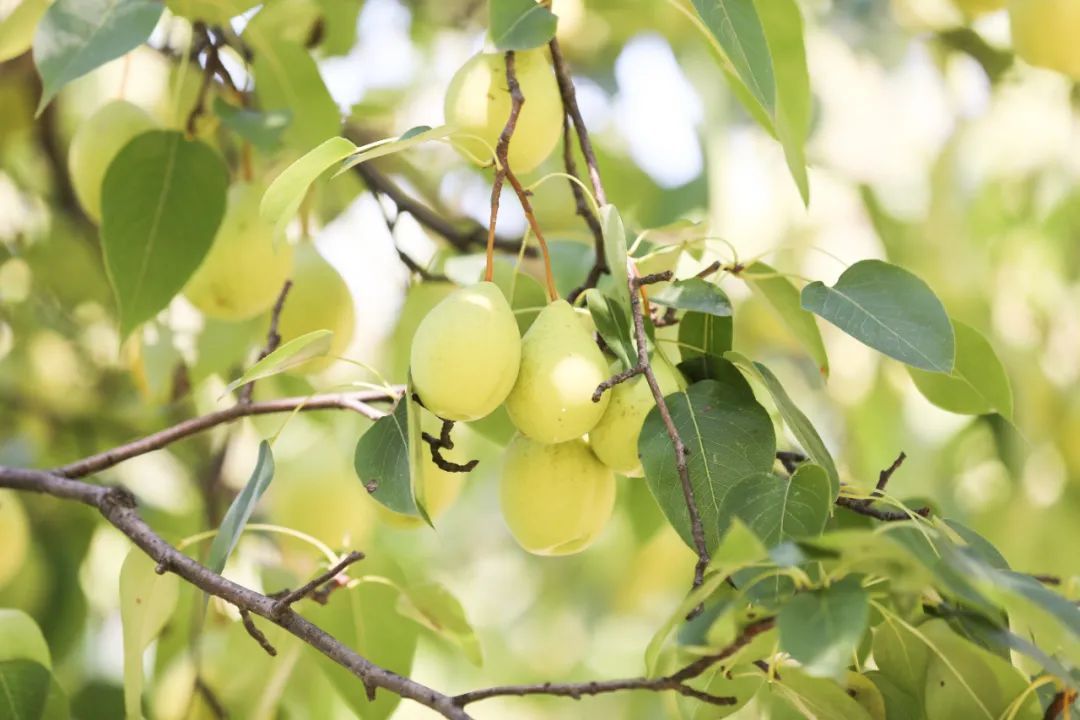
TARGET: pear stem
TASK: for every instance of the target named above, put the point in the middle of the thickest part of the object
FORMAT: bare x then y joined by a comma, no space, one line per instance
504,173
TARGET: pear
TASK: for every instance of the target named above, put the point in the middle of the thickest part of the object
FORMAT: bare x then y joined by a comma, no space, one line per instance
14,536
243,273
1044,33
615,437
973,8
465,354
478,103
96,143
319,299
560,368
555,498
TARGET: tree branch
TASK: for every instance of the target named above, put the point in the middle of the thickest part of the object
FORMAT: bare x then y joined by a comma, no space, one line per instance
273,338
445,442
357,402
286,598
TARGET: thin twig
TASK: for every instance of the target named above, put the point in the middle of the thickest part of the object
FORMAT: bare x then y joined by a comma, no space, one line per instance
569,98
287,598
861,507
615,380
885,475
675,682
790,460
599,266
391,227
273,338
255,632
445,442
357,402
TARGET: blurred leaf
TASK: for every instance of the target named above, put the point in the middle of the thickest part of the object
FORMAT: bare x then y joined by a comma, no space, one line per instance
740,682
527,297
382,461
261,129
797,422
57,705
779,508
615,256
285,194
729,436
25,687
212,12
295,352
977,385
570,264
17,29
432,605
287,79
783,25
822,629
162,200
982,547
901,656
147,601
236,518
77,36
292,21
520,24
338,26
613,325
703,340
889,309
696,295
389,146
21,639
783,296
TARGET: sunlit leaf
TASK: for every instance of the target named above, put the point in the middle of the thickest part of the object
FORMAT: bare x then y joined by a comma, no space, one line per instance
613,325
696,295
779,508
520,24
21,639
287,78
147,601
211,12
17,29
615,256
295,352
978,383
239,512
729,436
162,200
382,461
285,194
77,36
797,422
889,309
737,27
432,605
382,148
783,297
821,629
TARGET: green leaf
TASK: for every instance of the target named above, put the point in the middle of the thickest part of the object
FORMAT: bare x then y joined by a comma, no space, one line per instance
295,352
77,36
285,194
21,639
339,26
811,698
232,527
615,256
18,28
211,12
797,422
779,509
783,26
977,385
520,24
703,340
24,687
728,436
382,461
613,325
783,297
432,606
694,294
415,445
287,78
822,629
147,601
736,26
261,129
389,146
889,309
740,682
162,201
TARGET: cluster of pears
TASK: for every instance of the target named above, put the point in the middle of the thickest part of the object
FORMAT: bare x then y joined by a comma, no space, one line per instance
557,489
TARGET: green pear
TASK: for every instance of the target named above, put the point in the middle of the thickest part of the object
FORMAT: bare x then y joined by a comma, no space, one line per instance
555,498
243,273
319,299
96,144
863,691
478,104
560,368
615,437
465,353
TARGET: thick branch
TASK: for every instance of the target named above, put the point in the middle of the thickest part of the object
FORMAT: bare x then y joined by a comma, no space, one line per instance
676,682
118,508
357,402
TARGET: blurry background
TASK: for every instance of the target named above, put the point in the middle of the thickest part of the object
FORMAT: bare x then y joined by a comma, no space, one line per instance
930,148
